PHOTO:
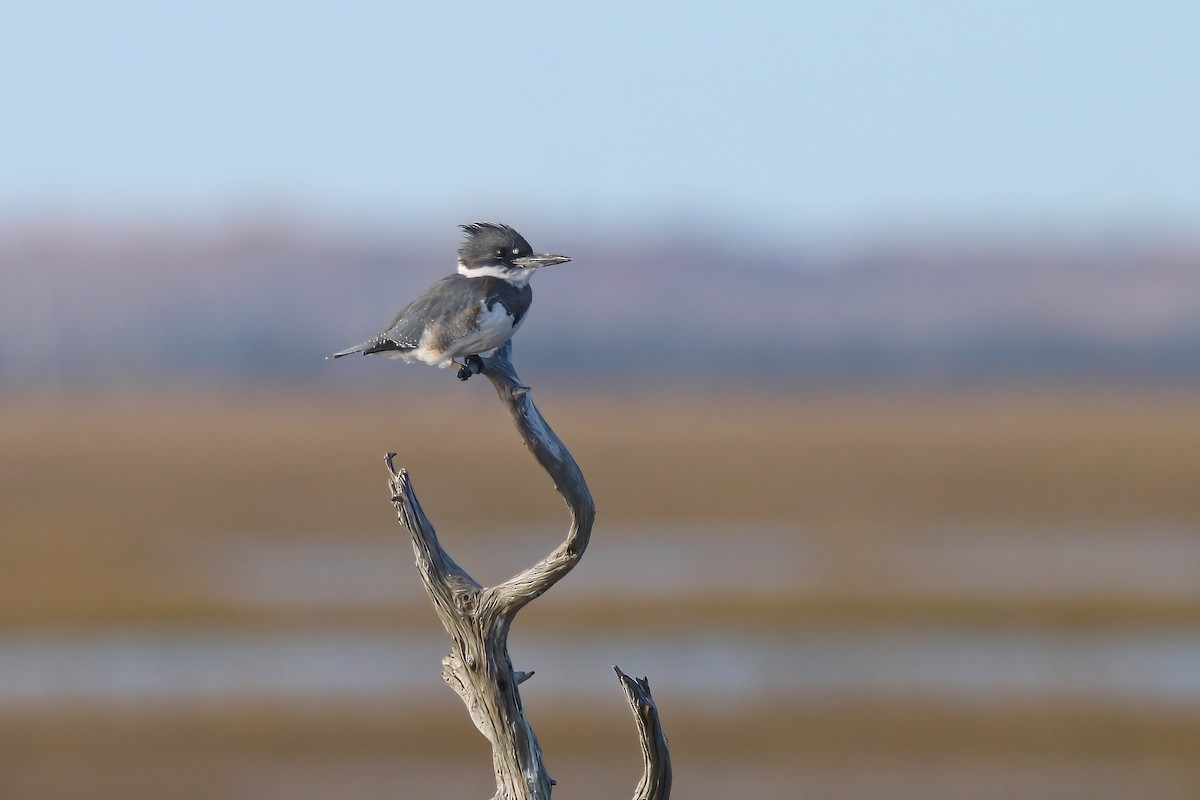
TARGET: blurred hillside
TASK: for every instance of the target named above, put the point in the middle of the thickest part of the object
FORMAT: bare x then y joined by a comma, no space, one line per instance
270,298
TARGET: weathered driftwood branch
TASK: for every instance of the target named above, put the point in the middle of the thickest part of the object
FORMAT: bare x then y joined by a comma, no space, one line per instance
656,778
478,618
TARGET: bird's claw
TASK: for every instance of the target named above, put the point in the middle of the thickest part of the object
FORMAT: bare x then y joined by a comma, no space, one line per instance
473,365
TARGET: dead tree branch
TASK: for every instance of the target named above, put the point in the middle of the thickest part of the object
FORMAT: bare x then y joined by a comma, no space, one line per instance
478,618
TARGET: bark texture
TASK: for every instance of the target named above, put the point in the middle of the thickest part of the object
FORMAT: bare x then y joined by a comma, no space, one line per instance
478,618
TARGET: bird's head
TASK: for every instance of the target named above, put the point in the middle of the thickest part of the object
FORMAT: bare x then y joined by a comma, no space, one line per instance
499,251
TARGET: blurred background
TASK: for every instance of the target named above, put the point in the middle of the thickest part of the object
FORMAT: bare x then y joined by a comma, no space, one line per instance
880,350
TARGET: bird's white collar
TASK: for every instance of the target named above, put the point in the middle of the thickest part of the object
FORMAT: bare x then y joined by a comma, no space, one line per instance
517,277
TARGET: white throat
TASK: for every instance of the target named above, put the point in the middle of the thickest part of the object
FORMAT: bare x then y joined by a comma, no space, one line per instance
517,277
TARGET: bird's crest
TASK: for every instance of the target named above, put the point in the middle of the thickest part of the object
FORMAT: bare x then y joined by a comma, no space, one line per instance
485,240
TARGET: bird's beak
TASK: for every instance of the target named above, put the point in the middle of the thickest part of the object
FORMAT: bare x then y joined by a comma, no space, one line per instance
540,260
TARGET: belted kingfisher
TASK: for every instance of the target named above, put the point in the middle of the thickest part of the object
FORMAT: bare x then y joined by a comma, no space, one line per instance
470,313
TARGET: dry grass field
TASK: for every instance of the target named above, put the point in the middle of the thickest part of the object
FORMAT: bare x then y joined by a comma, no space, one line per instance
109,501
95,489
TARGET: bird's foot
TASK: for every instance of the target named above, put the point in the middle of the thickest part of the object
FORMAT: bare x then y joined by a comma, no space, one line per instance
473,365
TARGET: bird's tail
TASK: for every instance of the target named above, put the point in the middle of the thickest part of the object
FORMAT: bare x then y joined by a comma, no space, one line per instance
358,348
380,344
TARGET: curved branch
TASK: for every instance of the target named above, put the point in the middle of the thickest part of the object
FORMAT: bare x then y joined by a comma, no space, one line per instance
568,478
478,619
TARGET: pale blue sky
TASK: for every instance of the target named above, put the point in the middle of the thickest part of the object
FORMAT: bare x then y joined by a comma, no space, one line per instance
816,115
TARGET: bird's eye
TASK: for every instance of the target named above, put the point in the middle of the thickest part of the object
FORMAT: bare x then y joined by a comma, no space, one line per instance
499,254
516,251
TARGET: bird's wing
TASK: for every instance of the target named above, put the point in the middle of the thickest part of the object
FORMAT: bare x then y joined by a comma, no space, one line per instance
450,306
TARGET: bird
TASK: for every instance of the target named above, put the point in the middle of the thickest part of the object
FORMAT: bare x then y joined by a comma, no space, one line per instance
468,314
